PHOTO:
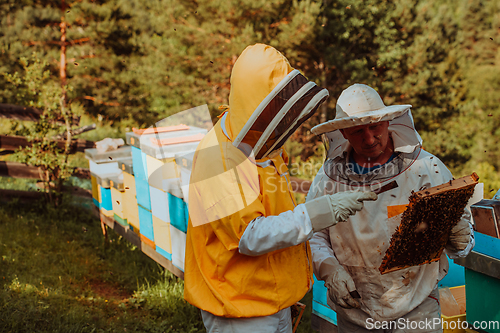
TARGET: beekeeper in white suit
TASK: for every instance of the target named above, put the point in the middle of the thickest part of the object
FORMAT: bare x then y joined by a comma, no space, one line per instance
370,145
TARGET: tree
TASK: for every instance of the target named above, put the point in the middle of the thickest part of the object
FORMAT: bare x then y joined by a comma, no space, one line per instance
34,88
145,60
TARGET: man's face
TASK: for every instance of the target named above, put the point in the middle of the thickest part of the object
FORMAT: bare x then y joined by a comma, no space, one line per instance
368,141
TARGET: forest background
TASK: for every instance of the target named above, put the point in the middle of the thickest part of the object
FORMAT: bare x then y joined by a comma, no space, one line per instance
132,62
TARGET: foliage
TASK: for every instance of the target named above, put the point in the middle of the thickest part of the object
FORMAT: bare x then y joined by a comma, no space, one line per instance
143,61
34,88
22,184
305,169
489,176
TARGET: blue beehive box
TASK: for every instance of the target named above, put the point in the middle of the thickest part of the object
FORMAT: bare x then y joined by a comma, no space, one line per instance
146,226
103,166
104,188
177,210
455,276
186,213
141,178
319,304
107,202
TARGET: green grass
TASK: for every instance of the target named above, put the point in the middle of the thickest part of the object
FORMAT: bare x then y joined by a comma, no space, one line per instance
20,184
57,275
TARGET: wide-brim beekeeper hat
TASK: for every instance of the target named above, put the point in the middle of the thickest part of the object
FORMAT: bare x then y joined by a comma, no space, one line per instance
360,105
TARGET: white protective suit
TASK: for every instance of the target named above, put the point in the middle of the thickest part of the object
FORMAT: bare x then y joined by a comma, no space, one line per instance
359,245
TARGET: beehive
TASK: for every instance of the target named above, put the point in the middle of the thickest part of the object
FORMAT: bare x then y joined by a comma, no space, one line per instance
146,226
141,178
178,241
117,198
130,209
158,148
163,240
454,323
426,224
104,165
185,163
162,170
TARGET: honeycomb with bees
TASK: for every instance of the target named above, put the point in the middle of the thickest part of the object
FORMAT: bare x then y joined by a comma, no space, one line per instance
426,224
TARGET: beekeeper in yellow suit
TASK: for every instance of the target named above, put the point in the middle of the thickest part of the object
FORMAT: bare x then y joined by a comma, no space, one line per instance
247,255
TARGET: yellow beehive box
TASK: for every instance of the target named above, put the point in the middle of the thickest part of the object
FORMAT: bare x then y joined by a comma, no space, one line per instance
456,323
99,193
159,170
130,210
133,218
95,192
161,231
117,192
117,197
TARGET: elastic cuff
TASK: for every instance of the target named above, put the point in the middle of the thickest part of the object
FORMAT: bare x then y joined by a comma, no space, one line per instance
321,213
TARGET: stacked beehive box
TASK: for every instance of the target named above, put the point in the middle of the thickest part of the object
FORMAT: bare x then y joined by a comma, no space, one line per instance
142,186
185,163
117,196
129,199
162,210
142,189
103,169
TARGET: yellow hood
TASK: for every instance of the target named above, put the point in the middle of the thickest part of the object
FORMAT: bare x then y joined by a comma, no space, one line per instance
255,74
228,190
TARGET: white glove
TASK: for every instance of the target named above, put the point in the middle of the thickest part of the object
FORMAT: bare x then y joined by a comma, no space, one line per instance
340,285
328,210
346,204
459,237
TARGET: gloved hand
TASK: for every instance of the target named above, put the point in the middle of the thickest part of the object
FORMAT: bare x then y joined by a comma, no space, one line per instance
339,283
346,204
459,237
328,210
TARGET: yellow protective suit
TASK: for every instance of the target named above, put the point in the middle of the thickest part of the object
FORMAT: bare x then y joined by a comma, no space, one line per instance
218,278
